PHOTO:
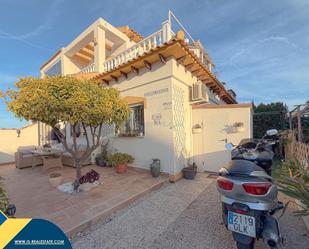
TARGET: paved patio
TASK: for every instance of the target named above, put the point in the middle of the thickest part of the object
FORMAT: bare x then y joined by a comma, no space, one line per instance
33,195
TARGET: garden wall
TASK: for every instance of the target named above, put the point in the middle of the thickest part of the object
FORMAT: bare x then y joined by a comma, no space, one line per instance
10,141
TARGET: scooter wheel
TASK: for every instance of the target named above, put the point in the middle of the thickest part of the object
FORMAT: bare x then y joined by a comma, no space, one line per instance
245,246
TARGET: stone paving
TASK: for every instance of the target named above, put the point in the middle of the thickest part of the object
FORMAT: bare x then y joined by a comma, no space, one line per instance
141,224
184,215
34,197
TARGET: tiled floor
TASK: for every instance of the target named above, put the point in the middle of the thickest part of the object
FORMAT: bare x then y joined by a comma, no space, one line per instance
33,195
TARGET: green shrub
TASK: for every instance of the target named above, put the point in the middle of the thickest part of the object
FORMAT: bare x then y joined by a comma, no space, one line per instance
120,158
294,182
4,201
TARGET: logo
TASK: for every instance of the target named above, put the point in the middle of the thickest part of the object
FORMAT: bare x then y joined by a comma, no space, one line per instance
31,233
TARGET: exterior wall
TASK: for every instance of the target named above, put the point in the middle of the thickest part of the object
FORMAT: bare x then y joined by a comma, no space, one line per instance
9,141
182,115
70,66
167,92
186,77
217,125
181,124
156,87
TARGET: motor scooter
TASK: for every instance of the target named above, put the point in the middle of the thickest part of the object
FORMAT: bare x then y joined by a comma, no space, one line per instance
249,194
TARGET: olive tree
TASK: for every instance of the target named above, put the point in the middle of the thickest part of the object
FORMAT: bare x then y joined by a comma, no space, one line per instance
65,99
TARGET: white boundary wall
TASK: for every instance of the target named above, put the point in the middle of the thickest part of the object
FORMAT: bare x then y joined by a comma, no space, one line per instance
10,141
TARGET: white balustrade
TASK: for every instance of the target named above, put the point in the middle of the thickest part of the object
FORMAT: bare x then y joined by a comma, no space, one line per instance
136,50
88,69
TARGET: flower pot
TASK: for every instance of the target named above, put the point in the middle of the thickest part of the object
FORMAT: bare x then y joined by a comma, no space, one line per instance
121,168
55,181
189,173
100,161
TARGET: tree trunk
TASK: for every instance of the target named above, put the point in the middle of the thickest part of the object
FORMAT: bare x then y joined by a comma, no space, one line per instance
77,165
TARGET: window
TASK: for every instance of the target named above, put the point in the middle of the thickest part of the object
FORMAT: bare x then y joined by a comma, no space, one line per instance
134,126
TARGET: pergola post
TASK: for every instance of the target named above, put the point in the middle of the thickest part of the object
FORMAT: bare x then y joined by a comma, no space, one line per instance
299,124
290,121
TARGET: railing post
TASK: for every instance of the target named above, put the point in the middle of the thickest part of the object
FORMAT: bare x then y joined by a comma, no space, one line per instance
166,30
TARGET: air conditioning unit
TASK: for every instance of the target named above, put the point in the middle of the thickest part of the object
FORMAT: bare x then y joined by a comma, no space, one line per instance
199,92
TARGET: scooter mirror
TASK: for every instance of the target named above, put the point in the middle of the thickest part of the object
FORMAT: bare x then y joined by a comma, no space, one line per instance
229,146
272,132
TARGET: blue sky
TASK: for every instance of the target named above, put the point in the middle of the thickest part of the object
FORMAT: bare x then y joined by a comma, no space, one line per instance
260,48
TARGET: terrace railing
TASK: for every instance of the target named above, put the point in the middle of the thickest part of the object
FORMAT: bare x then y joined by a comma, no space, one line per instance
154,40
88,69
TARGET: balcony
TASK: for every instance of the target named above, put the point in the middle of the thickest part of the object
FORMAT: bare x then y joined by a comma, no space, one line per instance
154,40
88,69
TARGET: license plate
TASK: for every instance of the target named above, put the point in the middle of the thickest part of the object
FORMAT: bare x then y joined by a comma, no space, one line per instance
241,223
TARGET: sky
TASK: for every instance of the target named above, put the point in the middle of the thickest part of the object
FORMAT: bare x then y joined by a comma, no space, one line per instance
260,48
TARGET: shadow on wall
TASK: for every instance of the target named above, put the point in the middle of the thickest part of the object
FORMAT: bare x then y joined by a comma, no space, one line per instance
145,149
212,161
6,158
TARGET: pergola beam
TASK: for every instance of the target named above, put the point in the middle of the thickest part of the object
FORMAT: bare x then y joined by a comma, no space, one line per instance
181,59
147,65
135,70
114,78
124,74
106,81
162,58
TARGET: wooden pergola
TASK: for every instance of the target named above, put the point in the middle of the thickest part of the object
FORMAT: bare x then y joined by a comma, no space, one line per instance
178,49
299,111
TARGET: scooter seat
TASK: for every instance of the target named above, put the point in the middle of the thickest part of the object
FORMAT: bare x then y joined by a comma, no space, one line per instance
242,167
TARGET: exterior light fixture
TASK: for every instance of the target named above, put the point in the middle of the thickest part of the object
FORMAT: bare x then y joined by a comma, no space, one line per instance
18,132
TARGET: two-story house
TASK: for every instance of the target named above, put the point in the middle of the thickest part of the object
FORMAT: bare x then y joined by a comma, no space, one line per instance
180,111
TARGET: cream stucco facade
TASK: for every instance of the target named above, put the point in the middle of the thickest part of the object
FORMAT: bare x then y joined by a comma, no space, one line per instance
162,70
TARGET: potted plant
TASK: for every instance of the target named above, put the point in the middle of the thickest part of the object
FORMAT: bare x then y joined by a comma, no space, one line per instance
120,161
101,158
189,172
89,180
55,179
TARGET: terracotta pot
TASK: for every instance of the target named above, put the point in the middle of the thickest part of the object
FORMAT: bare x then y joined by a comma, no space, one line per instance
55,181
122,168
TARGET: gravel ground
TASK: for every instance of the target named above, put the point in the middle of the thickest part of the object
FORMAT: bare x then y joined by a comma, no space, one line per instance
200,226
185,215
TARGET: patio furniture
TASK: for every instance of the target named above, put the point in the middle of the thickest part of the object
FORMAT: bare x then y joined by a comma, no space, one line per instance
24,157
67,158
51,158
